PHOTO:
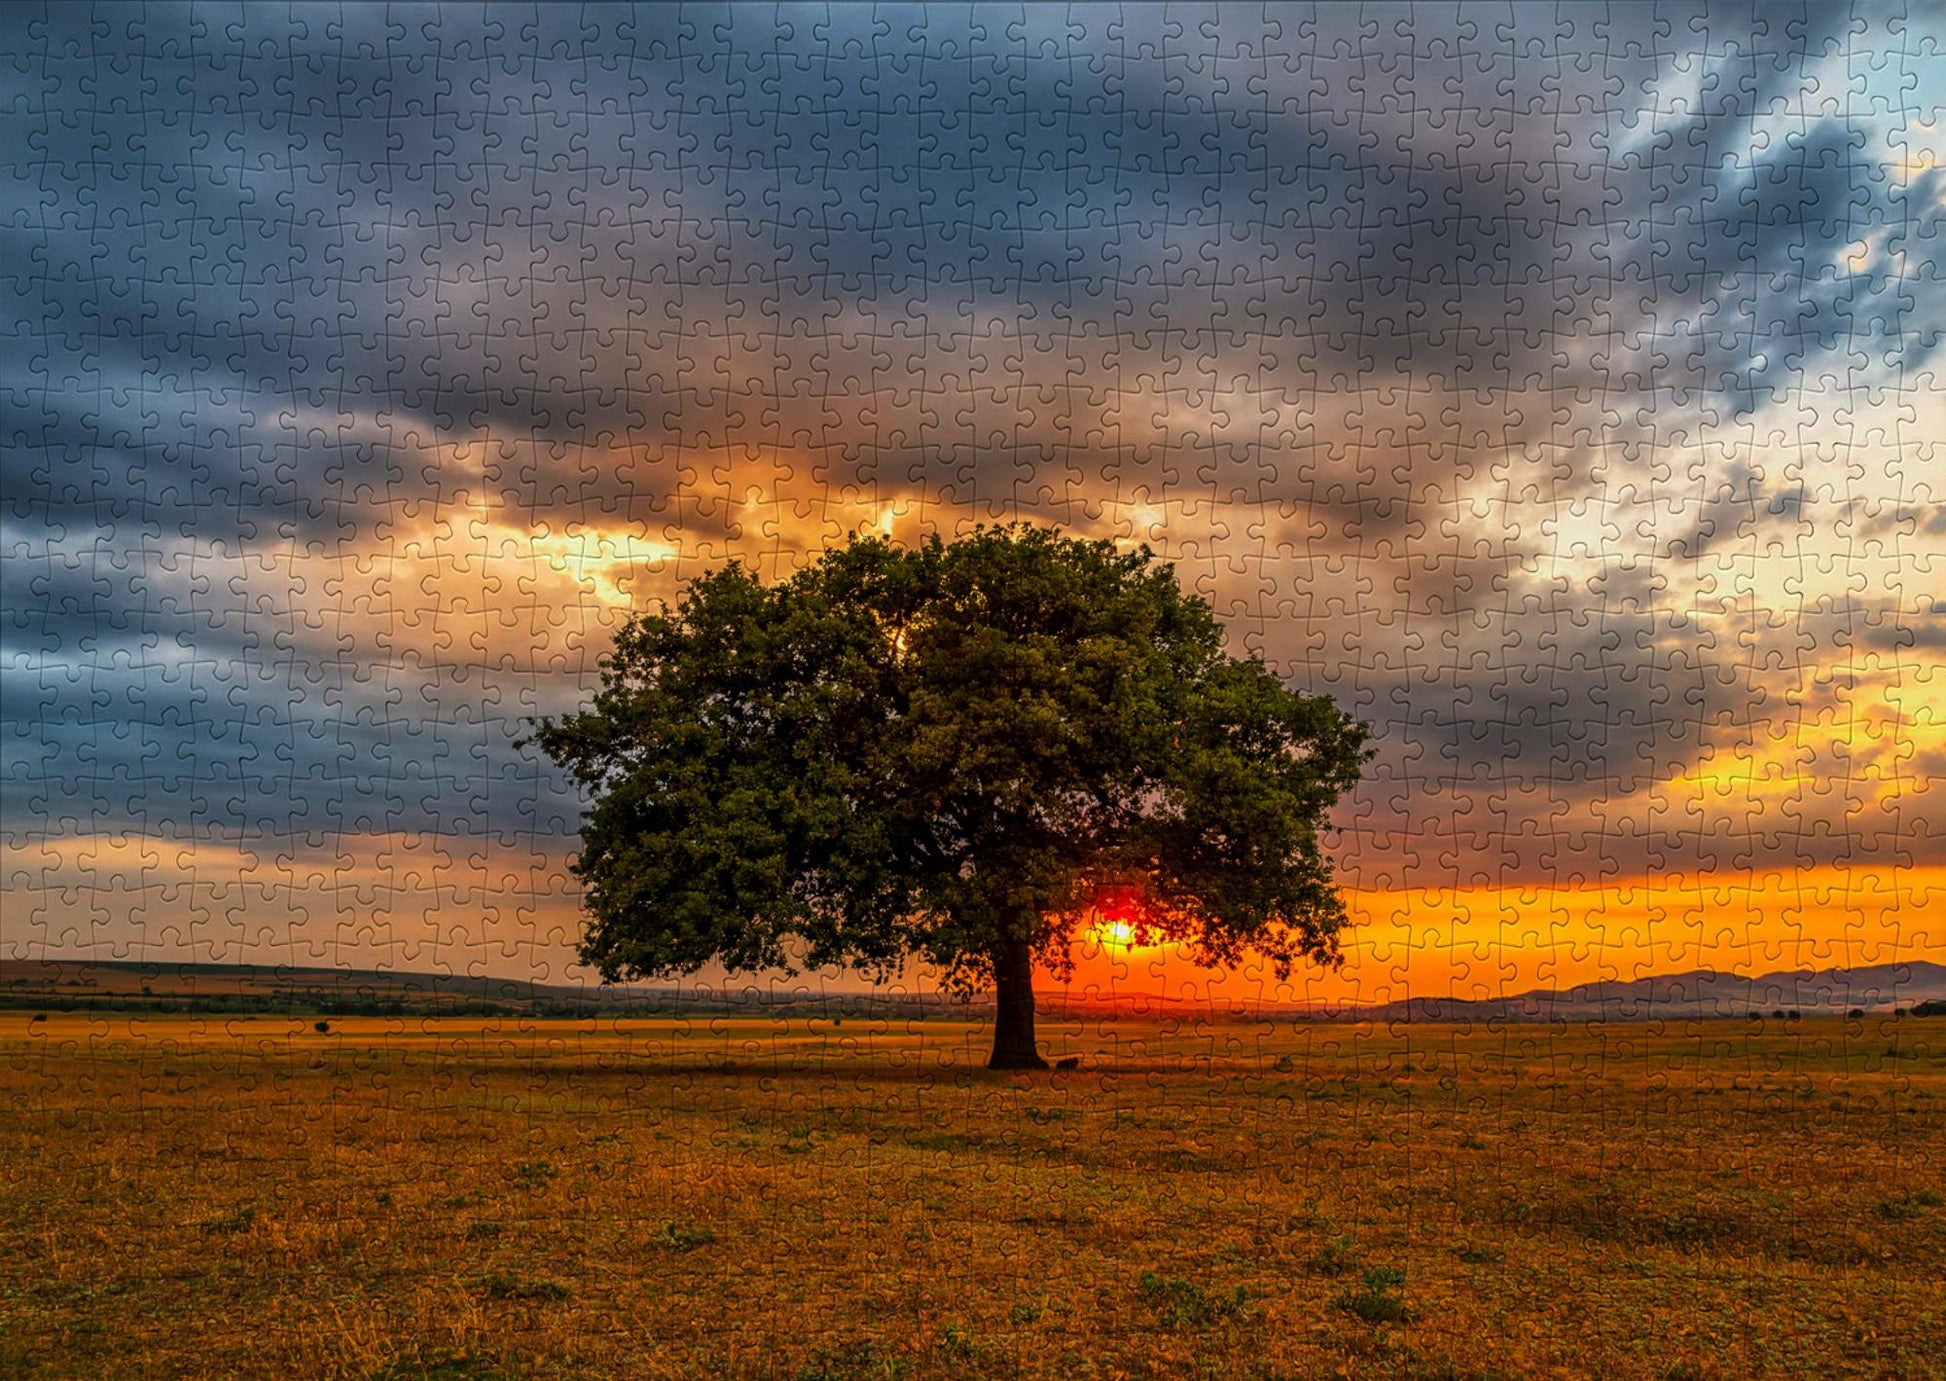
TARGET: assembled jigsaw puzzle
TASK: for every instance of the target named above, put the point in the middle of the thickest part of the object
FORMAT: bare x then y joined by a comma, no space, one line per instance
903,691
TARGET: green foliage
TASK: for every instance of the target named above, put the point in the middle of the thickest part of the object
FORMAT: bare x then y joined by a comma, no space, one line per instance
1184,1304
534,1174
959,1343
951,751
1337,1256
1373,1301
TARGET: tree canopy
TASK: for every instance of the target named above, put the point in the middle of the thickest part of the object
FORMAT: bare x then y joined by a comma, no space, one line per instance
961,752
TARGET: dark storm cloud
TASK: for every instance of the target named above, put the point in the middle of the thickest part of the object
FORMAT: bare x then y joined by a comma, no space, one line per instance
547,229
1358,270
150,688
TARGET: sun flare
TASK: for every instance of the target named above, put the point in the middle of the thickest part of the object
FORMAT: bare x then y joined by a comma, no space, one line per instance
1115,934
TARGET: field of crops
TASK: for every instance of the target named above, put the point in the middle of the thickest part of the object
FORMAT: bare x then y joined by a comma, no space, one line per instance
205,1196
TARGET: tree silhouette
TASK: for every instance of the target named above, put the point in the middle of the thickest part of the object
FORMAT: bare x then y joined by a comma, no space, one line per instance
957,752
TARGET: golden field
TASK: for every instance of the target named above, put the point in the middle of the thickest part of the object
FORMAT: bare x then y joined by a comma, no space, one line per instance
804,1198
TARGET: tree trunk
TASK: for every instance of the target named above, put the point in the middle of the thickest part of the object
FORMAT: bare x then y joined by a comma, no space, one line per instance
1013,1023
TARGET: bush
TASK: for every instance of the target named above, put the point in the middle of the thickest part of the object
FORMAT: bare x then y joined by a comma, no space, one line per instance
1374,1301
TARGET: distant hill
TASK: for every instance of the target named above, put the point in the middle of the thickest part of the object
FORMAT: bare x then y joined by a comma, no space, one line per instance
131,986
163,987
1702,993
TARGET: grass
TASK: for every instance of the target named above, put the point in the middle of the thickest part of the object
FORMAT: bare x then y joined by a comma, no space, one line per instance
1373,1300
222,1196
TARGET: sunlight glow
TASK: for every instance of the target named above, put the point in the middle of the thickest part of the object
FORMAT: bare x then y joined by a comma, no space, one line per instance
1115,935
597,559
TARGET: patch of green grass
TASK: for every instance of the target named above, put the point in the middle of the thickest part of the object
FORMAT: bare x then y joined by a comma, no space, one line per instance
1909,1206
677,1238
959,1343
1185,1304
499,1285
1372,1299
864,1360
534,1174
1336,1257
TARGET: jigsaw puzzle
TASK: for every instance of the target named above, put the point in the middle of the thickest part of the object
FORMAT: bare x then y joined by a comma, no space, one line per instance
1454,887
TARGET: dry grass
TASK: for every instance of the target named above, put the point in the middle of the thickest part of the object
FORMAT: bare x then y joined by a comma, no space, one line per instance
466,1198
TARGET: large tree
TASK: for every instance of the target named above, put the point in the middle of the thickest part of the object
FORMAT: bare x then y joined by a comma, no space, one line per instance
960,752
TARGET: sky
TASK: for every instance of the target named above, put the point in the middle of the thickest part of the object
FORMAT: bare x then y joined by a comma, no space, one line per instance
1558,387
